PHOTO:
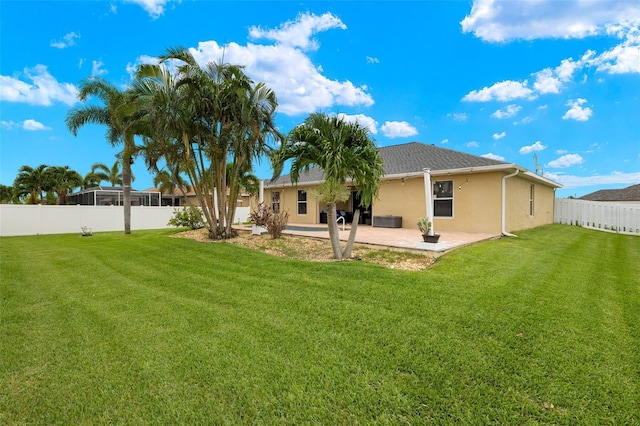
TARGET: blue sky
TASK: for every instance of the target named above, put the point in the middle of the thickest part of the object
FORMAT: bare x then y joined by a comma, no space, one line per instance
503,79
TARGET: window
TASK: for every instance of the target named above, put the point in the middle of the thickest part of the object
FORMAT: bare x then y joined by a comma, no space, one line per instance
275,202
443,198
532,189
302,202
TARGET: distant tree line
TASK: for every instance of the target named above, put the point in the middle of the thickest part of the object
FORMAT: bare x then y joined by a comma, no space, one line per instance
51,184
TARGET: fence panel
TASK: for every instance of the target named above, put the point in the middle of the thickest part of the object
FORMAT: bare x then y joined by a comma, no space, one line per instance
614,217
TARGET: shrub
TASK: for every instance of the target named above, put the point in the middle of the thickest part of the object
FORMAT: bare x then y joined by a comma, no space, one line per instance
260,217
274,222
190,216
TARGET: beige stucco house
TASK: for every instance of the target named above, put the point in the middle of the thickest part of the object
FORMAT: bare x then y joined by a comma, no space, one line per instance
465,193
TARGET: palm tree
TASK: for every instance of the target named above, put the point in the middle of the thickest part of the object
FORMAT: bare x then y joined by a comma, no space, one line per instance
203,118
8,194
167,183
119,114
32,182
62,180
344,151
246,180
98,173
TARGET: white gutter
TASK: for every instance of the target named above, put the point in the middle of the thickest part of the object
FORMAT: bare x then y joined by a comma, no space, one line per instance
504,203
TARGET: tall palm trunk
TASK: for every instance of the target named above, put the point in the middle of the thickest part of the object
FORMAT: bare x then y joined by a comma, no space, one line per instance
126,181
332,225
352,234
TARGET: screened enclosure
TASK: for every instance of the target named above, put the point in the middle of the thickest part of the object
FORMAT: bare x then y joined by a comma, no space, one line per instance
112,196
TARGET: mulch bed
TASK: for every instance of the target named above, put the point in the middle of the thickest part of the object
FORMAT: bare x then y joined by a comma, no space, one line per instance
318,250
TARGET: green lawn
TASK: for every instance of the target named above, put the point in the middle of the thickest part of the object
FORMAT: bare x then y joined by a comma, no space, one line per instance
543,328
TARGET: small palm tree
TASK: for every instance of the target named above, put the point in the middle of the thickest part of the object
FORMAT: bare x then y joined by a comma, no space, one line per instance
8,194
62,180
32,183
344,151
168,183
98,173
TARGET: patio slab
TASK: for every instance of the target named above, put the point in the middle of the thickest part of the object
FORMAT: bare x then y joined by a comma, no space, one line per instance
402,238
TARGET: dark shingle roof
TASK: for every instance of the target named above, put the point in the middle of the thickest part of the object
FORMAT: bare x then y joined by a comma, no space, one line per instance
630,193
409,158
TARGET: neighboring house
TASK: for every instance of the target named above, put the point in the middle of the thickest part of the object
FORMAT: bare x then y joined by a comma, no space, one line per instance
112,196
188,196
630,194
466,193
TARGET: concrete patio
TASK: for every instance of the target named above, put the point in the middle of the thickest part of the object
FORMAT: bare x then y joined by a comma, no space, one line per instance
401,238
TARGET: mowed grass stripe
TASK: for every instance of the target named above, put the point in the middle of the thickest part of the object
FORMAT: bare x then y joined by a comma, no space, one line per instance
542,328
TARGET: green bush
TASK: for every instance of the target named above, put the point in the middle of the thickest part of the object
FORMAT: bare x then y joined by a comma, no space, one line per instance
190,216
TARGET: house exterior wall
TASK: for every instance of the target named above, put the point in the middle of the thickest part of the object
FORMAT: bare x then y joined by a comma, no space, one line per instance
398,199
518,200
289,203
477,203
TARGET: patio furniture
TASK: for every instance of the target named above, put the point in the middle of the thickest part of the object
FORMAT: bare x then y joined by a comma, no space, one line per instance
387,221
86,231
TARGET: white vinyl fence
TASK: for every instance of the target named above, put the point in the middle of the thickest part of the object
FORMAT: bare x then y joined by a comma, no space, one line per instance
623,218
35,220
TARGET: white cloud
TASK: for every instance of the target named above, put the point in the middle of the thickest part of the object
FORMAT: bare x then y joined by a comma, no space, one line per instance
9,125
286,69
96,69
444,141
528,149
472,144
398,129
298,33
67,40
546,82
143,59
577,112
364,121
372,60
570,181
622,59
497,136
458,116
561,151
541,107
567,160
567,67
510,111
155,8
493,156
43,88
503,91
525,120
505,20
31,124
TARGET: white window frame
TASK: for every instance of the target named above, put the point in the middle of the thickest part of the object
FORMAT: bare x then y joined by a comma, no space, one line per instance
532,199
275,201
437,188
302,202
